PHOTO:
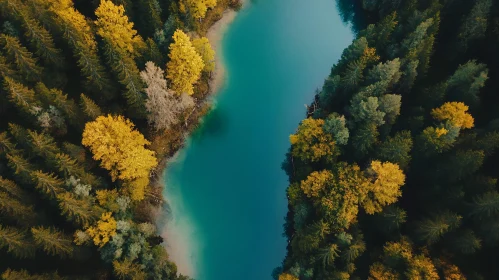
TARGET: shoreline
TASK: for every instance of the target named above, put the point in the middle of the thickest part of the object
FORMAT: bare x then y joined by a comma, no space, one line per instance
215,35
175,231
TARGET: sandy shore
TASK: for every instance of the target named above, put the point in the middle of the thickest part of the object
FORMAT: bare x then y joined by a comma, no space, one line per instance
215,34
178,231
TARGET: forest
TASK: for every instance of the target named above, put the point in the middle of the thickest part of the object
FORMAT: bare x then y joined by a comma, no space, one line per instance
94,95
393,172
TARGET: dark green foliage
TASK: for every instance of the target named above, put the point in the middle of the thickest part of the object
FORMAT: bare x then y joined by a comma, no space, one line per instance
410,58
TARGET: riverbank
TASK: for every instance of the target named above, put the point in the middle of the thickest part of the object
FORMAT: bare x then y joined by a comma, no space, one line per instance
215,34
176,233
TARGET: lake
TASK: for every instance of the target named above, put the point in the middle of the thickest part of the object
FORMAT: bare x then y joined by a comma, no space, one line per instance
226,188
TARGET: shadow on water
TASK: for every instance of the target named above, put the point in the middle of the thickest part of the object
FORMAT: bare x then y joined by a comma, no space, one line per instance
215,123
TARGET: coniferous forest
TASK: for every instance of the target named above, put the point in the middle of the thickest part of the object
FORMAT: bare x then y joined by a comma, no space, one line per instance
393,172
93,96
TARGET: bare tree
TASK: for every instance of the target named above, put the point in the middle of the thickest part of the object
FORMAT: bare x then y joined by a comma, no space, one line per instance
163,104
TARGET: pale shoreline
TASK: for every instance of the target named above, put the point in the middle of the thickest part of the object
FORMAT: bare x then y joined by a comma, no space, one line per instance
215,35
177,232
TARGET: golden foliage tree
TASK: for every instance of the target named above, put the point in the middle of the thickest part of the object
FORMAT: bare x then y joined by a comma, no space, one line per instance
316,182
198,8
113,25
185,65
104,230
311,142
455,113
386,188
286,276
119,147
204,49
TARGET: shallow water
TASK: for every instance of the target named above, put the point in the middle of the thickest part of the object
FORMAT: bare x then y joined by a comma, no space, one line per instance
226,189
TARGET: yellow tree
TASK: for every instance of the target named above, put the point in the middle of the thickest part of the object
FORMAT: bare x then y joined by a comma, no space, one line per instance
316,183
204,49
185,65
119,147
286,276
104,230
113,25
455,113
311,143
198,8
386,188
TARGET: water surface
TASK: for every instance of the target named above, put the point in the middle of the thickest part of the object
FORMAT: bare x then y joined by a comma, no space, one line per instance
226,188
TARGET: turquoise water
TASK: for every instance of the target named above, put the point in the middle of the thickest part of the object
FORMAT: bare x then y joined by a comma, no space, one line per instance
226,188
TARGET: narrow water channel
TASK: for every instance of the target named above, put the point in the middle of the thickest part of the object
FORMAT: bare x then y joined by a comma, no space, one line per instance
226,189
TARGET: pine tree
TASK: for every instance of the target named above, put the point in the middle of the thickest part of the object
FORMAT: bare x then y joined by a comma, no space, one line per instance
432,229
21,167
23,59
80,211
42,144
39,38
61,101
11,188
485,205
396,149
89,107
21,96
129,77
475,24
6,68
16,242
24,275
79,35
52,241
16,210
6,145
47,183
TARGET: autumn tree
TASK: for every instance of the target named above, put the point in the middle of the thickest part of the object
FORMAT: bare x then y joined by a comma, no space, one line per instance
204,49
185,65
113,26
385,190
198,8
163,105
119,147
104,230
311,142
122,44
455,113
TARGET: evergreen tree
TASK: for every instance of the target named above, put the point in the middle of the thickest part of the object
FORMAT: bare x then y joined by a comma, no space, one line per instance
88,106
16,242
23,59
47,183
52,241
